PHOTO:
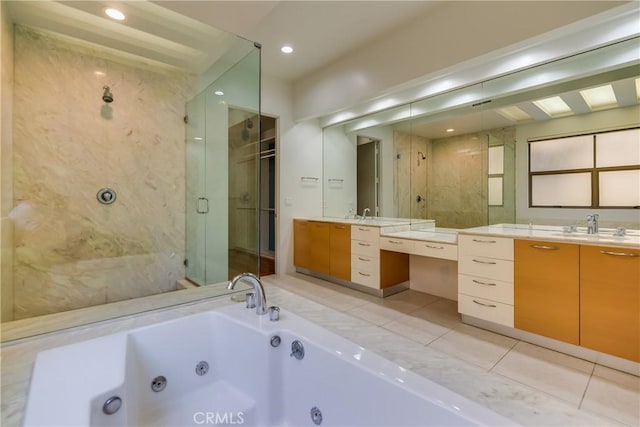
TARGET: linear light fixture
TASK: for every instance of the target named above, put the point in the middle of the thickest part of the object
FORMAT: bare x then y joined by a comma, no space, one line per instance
513,113
600,97
553,107
638,88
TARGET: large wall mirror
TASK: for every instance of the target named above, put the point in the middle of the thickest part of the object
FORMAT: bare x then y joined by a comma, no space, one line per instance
461,157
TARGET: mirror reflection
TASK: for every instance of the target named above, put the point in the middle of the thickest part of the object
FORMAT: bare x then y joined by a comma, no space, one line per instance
452,157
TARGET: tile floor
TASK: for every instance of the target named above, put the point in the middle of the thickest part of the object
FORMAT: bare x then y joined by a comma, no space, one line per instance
433,322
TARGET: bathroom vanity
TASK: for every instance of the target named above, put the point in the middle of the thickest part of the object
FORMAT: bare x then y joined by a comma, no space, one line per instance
370,255
572,288
571,291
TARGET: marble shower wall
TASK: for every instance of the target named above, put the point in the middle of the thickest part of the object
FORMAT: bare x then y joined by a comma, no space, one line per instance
70,250
458,181
411,174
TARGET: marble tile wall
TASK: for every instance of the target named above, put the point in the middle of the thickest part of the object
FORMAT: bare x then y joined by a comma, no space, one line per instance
458,181
70,250
6,165
411,174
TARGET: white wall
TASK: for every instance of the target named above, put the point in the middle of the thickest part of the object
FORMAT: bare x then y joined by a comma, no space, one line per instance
594,122
299,154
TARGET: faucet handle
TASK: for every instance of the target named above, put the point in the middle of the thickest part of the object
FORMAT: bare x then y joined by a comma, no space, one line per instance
251,300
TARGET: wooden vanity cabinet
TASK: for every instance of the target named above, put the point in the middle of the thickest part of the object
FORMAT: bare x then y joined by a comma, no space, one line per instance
610,300
312,243
547,289
301,244
340,251
322,247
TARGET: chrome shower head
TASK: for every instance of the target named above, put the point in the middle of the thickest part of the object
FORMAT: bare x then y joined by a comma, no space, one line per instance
106,95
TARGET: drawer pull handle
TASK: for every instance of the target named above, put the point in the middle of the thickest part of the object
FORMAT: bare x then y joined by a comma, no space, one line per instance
364,259
484,305
483,262
364,274
395,242
547,248
364,244
483,283
363,229
484,241
341,227
619,254
433,247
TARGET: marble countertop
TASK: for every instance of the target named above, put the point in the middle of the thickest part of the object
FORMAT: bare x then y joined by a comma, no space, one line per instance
438,234
556,234
375,221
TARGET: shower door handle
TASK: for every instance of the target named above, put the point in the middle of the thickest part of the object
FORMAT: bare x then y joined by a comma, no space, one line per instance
202,207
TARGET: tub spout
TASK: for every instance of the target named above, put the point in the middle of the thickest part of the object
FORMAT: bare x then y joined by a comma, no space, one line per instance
260,297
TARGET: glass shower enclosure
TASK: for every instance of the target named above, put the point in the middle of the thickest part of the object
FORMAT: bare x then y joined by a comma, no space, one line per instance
222,170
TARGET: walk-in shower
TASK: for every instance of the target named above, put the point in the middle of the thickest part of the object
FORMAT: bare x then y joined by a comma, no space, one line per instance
112,195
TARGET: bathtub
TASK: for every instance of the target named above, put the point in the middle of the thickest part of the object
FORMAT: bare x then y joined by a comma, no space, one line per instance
226,367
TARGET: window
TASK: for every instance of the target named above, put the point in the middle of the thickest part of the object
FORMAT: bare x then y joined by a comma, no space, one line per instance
599,170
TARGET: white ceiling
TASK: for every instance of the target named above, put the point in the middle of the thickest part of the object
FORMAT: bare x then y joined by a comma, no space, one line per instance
319,31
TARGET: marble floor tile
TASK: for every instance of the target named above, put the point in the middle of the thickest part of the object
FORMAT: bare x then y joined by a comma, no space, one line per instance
474,345
613,394
442,311
417,329
375,313
408,301
558,374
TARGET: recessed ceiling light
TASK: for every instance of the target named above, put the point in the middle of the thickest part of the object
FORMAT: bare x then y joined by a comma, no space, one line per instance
513,113
554,106
450,130
114,14
599,97
286,49
218,92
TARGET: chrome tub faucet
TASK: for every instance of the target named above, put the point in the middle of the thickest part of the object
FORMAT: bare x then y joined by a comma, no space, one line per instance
258,290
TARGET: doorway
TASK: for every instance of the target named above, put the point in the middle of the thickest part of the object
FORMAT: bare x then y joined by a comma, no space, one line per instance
367,175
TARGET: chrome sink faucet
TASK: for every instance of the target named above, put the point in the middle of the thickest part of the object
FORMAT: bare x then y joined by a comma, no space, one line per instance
592,223
365,211
261,299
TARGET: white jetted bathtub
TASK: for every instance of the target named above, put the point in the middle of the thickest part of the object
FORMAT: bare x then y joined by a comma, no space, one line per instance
224,367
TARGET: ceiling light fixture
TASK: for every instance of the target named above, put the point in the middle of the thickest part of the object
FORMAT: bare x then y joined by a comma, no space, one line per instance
513,113
553,107
600,97
450,130
218,92
114,14
286,49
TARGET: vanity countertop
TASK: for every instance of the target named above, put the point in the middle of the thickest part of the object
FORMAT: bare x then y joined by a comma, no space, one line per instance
556,234
376,221
437,234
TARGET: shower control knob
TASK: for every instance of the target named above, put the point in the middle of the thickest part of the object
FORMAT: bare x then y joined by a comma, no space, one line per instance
106,196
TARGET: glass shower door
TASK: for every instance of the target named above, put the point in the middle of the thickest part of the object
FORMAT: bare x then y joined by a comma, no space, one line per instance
196,204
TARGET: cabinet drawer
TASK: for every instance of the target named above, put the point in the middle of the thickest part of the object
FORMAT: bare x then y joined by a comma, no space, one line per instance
360,247
492,247
491,311
493,290
366,278
490,268
396,245
435,250
365,263
367,234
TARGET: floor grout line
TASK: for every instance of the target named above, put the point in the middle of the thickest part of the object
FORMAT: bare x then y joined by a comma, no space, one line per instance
584,393
504,355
